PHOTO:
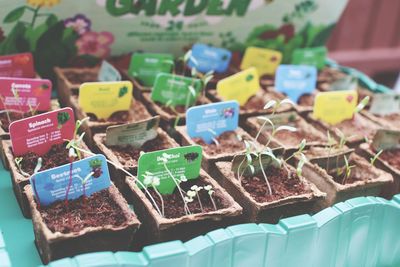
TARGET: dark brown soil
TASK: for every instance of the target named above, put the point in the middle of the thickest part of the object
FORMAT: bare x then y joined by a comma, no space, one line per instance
258,101
281,185
329,75
137,112
392,157
119,117
358,127
180,109
14,116
228,143
57,156
306,100
97,210
174,205
128,156
80,77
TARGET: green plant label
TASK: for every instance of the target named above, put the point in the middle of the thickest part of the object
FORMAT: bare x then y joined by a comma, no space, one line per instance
174,90
386,140
108,73
171,166
286,118
145,66
385,104
314,56
241,164
133,134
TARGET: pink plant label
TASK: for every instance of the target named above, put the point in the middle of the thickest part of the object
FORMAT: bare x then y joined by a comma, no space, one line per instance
17,66
24,95
38,133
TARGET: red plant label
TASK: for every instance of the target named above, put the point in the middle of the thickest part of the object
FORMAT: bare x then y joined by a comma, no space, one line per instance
17,65
38,133
24,95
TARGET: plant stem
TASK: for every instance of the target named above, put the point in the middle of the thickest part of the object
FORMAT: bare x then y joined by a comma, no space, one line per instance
213,202
265,176
70,181
238,171
35,15
161,199
198,198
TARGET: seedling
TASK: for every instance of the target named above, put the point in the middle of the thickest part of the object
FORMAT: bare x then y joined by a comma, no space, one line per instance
346,170
16,95
374,158
210,192
196,189
363,103
18,162
215,136
150,180
302,158
330,144
84,181
75,142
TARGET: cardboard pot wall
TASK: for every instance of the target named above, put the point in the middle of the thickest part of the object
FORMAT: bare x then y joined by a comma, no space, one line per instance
60,32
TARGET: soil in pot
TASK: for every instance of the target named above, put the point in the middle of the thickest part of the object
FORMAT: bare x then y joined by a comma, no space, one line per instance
75,77
283,184
14,116
180,109
228,144
258,101
137,112
306,100
174,205
99,209
392,157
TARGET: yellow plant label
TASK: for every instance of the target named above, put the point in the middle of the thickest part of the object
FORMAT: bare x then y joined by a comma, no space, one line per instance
264,60
335,107
239,87
104,98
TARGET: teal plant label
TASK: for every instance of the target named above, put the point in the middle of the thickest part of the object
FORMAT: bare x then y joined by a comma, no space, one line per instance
176,90
133,134
108,73
171,166
86,177
207,58
385,104
211,120
295,81
386,139
314,56
146,66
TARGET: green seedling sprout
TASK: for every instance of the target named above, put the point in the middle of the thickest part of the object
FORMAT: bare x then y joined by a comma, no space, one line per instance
18,162
374,158
84,181
346,171
196,189
119,167
165,157
330,144
76,141
150,180
210,193
215,136
5,109
16,95
302,158
363,103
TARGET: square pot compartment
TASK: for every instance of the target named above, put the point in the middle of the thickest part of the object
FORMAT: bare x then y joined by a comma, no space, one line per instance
365,128
5,135
255,105
390,121
130,164
136,83
270,211
167,117
137,112
287,140
70,79
365,179
18,180
156,228
213,153
387,161
115,234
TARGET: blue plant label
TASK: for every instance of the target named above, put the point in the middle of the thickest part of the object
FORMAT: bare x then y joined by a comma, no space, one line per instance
83,177
207,58
295,81
108,73
211,120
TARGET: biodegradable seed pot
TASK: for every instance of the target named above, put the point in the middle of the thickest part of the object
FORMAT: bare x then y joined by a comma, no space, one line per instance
176,224
291,194
389,121
343,174
127,156
286,139
100,222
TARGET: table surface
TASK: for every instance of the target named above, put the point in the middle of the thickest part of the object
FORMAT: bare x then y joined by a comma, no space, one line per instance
17,231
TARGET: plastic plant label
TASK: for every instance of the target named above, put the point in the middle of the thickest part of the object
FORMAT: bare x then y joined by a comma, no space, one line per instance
183,163
207,58
386,140
108,73
145,66
335,107
17,66
385,104
264,60
295,81
285,118
211,120
240,86
38,133
349,82
314,56
176,90
24,95
87,176
133,134
104,98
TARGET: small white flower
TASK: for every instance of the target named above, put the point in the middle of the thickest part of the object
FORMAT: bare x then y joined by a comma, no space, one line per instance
211,192
156,181
196,188
208,187
183,178
191,193
147,180
188,200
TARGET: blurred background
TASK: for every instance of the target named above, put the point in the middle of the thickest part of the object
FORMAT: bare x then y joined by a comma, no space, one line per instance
367,37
